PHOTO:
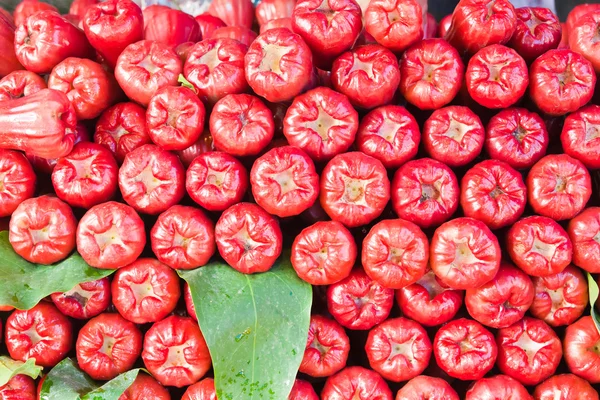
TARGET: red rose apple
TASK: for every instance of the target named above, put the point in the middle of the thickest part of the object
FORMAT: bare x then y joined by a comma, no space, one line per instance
269,10
327,348
27,8
172,27
233,13
85,300
243,35
390,134
565,387
19,387
204,144
8,59
584,35
584,231
580,136
208,24
517,136
20,84
538,30
425,192
395,24
356,383
453,135
301,390
276,23
145,386
498,387
354,189
17,181
581,349
426,387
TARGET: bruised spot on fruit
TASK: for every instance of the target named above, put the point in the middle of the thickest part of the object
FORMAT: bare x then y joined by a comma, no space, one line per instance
78,294
358,65
109,237
402,349
39,235
530,346
519,133
546,250
272,55
176,357
210,59
457,130
149,65
561,184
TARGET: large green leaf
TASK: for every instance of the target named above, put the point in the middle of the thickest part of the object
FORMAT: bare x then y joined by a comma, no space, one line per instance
593,292
23,284
255,327
10,368
67,382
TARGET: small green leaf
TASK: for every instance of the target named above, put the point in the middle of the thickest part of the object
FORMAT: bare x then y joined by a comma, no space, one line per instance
10,368
185,83
593,291
23,284
67,382
255,327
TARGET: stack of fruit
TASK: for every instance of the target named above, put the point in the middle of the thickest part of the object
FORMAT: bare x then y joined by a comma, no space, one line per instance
215,205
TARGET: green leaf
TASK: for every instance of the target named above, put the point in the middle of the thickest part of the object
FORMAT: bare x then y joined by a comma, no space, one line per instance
10,368
185,83
67,382
23,284
255,327
593,292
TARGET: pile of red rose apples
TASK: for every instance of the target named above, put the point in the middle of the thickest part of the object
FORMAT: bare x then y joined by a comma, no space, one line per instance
409,168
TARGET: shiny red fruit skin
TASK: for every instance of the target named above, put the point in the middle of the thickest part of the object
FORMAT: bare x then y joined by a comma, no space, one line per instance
479,23
183,237
301,390
208,24
558,187
276,23
425,192
494,193
582,38
324,253
145,387
122,129
20,83
516,136
464,253
216,180
390,134
79,8
539,246
87,176
145,67
359,303
46,125
565,387
175,118
151,179
395,24
105,222
42,230
561,82
580,136
112,26
560,299
45,321
284,181
243,35
189,303
356,383
216,68
583,231
241,125
278,65
496,77
203,390
427,387
580,345
19,387
269,10
18,181
464,349
233,13
498,387
327,348
395,253
329,27
192,360
502,301
453,135
47,38
89,87
398,349
538,30
428,302
321,122
354,189
248,238
107,346
85,300
204,144
27,8
46,165
172,27
8,59
432,73
145,291
444,26
368,75
528,351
